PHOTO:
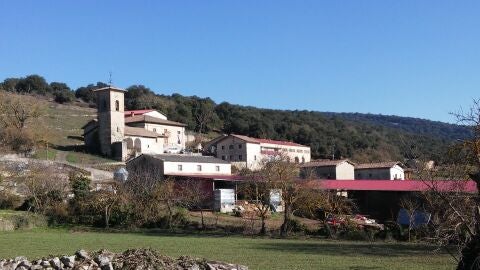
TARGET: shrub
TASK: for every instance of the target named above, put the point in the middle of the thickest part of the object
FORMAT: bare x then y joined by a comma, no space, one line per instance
9,200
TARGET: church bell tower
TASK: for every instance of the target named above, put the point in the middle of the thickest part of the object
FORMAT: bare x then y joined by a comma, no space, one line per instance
111,120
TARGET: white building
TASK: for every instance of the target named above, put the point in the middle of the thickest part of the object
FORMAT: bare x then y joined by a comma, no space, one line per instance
180,165
250,152
380,171
342,169
123,134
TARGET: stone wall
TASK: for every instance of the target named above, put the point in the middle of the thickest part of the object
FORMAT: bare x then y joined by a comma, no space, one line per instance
137,259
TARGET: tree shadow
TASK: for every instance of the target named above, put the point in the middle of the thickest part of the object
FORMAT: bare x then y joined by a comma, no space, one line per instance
339,248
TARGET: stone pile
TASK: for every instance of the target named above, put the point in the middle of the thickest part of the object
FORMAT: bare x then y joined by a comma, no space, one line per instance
132,259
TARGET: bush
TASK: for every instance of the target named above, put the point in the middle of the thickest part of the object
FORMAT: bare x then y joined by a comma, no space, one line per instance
9,200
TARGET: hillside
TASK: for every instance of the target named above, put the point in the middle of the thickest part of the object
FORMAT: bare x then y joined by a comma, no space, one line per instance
361,137
425,127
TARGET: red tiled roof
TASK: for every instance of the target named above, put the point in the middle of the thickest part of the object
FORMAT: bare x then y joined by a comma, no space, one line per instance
266,141
136,112
378,165
395,185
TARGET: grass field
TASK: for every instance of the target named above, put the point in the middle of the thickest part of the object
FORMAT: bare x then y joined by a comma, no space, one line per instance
257,253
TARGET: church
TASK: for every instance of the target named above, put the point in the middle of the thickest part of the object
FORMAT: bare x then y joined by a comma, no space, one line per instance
122,135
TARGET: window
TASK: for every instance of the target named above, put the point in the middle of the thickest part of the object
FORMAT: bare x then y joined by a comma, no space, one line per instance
223,157
179,132
105,105
299,151
156,140
240,157
154,130
291,150
117,105
199,168
217,168
255,157
239,146
118,129
297,160
180,168
223,147
231,157
230,146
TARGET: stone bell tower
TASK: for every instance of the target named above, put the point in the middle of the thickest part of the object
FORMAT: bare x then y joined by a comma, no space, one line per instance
111,120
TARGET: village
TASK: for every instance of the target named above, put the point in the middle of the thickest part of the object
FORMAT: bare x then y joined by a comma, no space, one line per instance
147,141
236,135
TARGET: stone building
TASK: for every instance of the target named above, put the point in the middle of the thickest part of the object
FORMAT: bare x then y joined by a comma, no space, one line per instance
123,134
342,169
244,151
393,170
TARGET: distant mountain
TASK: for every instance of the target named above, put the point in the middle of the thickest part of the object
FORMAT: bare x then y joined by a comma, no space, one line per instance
436,129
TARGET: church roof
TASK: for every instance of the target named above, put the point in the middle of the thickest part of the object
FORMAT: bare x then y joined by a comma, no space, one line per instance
110,87
141,132
153,120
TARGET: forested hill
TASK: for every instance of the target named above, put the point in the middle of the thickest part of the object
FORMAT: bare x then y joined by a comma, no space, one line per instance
413,125
361,137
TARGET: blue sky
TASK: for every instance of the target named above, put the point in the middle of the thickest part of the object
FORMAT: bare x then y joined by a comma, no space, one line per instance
408,58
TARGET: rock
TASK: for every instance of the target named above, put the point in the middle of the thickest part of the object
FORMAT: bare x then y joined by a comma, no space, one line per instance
10,265
82,254
55,263
20,258
68,261
21,267
36,267
45,263
25,263
225,266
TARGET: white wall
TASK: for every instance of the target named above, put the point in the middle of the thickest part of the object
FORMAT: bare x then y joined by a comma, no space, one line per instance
191,168
345,171
149,145
397,172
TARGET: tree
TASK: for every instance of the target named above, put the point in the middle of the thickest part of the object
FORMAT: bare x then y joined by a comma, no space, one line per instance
61,92
33,84
19,125
456,215
194,197
45,188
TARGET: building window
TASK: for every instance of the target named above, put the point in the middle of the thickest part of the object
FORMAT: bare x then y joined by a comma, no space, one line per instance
291,150
255,157
230,146
180,168
239,146
297,160
118,129
105,105
154,130
231,157
223,157
156,140
178,132
117,105
223,147
217,168
303,159
199,168
240,157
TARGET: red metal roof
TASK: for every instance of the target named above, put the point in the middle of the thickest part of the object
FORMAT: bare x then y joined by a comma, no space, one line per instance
395,185
136,112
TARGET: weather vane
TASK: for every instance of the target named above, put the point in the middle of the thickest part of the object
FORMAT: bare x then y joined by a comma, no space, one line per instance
110,79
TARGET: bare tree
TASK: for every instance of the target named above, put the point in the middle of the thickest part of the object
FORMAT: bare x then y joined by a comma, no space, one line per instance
411,205
45,187
194,197
455,214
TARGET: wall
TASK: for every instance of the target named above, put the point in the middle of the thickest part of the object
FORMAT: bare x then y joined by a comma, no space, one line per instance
160,129
345,171
148,145
373,174
110,121
397,172
191,168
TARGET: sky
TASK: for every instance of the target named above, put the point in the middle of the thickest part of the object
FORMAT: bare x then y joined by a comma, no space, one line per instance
407,58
